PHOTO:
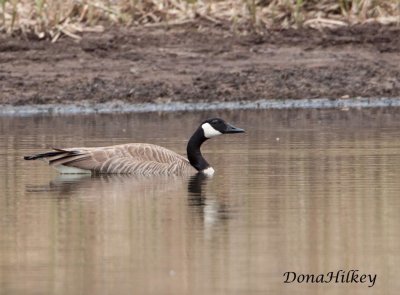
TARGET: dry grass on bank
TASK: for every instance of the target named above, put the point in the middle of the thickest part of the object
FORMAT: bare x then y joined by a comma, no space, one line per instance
53,18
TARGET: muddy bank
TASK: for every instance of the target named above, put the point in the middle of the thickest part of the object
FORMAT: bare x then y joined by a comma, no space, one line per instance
201,63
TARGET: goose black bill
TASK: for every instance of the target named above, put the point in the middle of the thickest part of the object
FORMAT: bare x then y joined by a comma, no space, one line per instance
233,129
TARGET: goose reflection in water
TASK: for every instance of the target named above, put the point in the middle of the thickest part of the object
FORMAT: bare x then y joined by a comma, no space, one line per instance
206,203
103,185
202,200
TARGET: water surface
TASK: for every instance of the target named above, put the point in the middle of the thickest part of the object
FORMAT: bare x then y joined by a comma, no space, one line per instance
309,191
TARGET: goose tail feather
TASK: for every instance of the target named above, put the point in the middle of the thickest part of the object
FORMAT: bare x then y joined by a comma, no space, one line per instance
42,155
56,152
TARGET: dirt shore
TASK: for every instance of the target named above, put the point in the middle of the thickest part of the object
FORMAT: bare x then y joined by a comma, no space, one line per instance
199,62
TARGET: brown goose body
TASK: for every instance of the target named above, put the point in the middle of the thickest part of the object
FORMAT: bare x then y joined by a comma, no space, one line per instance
138,158
132,158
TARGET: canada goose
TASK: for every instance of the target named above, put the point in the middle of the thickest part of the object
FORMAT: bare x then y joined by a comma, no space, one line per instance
138,158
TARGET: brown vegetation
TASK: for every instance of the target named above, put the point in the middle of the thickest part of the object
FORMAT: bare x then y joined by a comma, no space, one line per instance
53,18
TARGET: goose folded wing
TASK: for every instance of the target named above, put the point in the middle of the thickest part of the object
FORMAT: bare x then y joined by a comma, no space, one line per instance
124,159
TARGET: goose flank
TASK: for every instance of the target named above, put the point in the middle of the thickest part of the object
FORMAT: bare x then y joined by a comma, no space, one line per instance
138,158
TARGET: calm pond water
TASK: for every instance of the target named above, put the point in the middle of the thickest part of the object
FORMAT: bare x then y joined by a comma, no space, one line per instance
307,191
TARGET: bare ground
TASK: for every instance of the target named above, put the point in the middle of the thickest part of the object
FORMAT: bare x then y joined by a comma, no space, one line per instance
201,62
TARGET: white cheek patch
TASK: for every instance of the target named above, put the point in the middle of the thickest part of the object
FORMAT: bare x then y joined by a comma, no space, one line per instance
209,131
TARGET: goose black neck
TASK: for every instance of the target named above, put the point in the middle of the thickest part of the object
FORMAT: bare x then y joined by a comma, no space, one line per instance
193,150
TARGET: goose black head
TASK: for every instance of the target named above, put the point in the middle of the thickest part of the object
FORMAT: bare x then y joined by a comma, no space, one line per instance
216,126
